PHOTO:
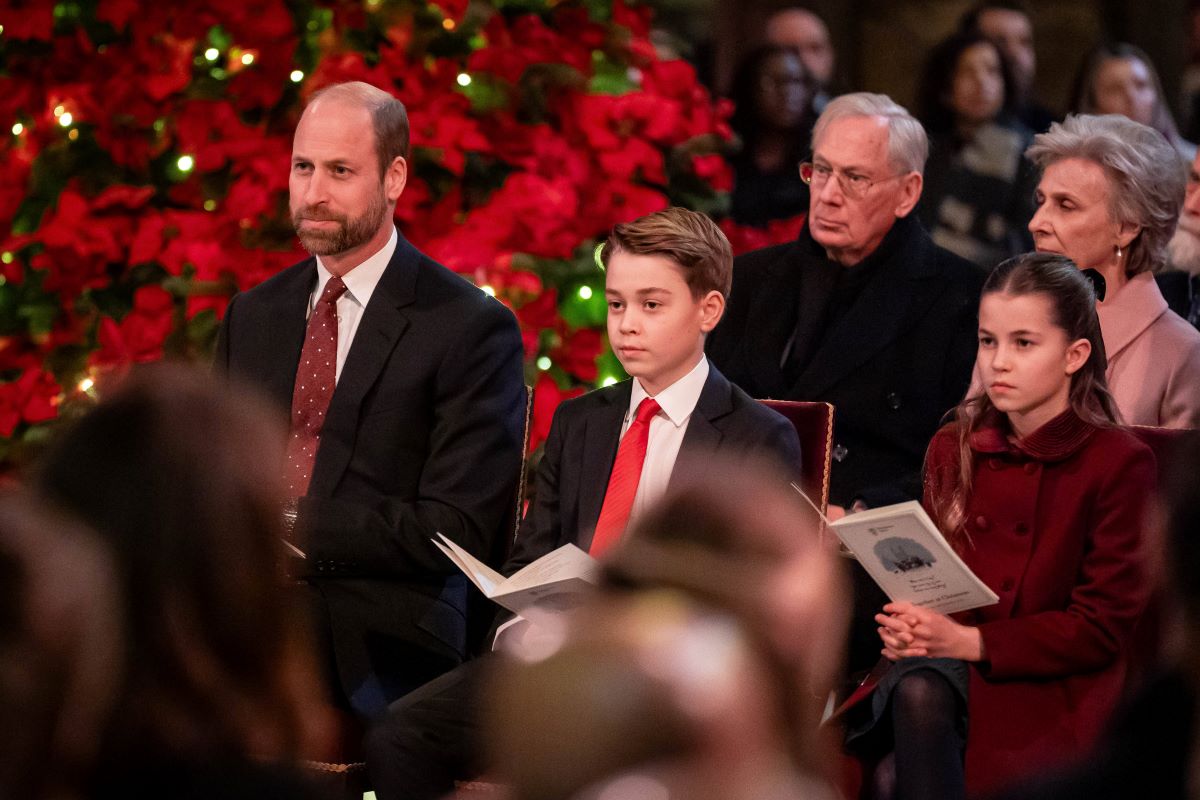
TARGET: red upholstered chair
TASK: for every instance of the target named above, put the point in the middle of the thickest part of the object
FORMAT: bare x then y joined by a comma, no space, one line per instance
813,422
1147,641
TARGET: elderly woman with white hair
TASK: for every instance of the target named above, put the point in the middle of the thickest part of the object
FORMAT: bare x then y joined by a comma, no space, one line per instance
1109,198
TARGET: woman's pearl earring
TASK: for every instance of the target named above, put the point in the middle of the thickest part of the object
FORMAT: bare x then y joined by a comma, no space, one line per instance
1118,252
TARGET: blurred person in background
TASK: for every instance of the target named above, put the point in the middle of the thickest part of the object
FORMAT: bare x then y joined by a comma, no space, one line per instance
772,95
1009,25
1179,280
978,186
60,651
805,32
219,692
1109,198
1120,79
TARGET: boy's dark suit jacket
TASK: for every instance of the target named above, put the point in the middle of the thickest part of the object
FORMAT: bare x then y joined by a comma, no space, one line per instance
582,446
429,737
423,434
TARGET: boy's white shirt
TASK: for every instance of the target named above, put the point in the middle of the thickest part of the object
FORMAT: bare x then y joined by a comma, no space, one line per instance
667,429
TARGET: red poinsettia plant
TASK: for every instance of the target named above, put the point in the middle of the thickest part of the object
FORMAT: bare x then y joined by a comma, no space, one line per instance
144,152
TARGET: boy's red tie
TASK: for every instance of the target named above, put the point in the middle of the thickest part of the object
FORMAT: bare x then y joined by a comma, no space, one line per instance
623,483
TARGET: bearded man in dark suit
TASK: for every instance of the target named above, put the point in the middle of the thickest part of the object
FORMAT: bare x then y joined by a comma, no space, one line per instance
406,396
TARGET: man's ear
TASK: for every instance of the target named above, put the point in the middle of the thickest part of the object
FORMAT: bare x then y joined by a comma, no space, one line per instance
1078,353
395,179
712,308
910,192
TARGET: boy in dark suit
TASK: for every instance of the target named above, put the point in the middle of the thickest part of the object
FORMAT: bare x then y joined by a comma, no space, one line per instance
610,454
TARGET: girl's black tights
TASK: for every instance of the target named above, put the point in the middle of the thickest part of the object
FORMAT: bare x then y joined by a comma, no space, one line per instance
927,757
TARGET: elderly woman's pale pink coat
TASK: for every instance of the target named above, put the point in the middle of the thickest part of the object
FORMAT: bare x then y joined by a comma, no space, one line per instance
1153,357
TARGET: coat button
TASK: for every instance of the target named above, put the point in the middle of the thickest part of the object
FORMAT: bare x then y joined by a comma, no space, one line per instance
1007,585
839,452
893,401
981,522
1031,468
1021,528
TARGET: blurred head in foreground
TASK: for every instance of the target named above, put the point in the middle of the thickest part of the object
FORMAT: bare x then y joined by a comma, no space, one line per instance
173,474
736,550
652,696
60,650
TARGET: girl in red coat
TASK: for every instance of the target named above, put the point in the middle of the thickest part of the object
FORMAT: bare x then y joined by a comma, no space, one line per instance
1042,494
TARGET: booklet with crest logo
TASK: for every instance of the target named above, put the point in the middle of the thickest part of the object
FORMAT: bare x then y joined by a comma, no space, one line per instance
555,582
901,548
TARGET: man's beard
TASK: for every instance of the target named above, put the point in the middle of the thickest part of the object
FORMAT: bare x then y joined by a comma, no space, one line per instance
351,232
1183,251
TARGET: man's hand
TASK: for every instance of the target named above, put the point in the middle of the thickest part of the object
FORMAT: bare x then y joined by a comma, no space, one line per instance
908,630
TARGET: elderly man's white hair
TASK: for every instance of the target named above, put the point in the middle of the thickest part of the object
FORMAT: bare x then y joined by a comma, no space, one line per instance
908,145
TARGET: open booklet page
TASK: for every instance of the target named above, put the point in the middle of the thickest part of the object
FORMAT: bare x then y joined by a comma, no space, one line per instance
901,548
555,582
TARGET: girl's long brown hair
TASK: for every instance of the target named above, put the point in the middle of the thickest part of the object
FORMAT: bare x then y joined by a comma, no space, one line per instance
1073,306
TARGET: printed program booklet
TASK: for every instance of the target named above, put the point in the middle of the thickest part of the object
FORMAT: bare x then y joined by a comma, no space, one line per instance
901,548
555,582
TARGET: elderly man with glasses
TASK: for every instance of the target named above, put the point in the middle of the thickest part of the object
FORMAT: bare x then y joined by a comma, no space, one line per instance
863,310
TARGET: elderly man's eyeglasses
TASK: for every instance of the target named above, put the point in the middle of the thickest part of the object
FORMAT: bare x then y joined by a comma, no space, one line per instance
853,184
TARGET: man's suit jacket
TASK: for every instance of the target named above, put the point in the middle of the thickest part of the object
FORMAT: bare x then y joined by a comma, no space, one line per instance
892,366
582,446
423,435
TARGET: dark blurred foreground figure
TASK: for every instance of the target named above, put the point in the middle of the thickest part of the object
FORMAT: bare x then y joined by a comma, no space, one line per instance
1152,748
218,694
60,651
700,671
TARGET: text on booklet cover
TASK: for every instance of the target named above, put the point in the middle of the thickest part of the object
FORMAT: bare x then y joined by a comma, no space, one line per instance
901,548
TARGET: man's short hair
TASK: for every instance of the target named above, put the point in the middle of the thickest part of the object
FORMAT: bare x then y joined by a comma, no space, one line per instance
688,238
1146,176
389,119
908,145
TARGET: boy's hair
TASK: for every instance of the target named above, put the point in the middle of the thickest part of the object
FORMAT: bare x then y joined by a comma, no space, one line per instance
689,239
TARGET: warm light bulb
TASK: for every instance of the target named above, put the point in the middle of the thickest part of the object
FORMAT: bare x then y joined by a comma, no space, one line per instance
59,109
86,385
18,129
212,54
210,205
185,163
608,381
247,59
448,24
297,76
544,363
66,119
585,293
464,79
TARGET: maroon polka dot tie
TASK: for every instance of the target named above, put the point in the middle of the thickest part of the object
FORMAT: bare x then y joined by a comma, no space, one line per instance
316,376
